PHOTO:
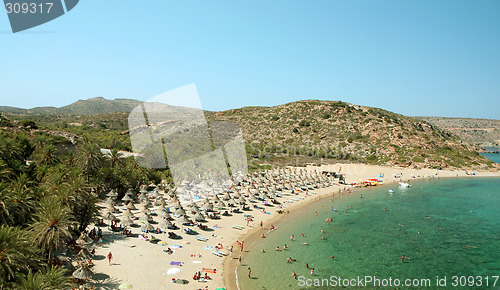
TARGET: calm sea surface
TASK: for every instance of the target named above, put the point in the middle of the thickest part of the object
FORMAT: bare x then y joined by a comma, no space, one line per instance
495,157
458,220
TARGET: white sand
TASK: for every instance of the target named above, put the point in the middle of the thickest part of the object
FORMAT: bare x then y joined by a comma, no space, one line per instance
144,265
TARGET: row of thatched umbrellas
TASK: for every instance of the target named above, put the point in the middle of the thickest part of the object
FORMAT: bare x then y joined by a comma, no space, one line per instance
256,186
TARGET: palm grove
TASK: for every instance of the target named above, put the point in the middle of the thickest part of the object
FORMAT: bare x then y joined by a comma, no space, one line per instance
48,196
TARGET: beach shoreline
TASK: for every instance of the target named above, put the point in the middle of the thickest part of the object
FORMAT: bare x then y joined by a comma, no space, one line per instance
353,172
145,264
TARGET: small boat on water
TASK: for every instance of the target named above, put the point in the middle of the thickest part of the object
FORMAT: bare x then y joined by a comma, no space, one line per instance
404,184
391,190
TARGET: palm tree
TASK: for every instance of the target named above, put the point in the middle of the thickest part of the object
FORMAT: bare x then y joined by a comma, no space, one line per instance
47,278
52,224
17,200
46,155
56,179
16,254
14,207
89,158
115,158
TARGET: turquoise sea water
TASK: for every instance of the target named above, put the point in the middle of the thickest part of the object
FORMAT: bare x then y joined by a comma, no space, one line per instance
495,157
459,221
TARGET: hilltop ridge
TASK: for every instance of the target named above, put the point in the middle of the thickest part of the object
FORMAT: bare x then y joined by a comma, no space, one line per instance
294,133
339,130
93,106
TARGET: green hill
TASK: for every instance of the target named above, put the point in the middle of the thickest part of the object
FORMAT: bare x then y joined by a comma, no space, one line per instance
311,130
92,106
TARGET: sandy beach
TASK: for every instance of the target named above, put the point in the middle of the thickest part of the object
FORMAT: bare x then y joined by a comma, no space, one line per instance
144,264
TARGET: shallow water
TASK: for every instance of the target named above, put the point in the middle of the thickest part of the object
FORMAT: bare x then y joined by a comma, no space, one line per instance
367,241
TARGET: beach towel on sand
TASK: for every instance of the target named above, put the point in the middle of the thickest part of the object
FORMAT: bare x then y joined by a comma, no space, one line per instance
175,263
208,270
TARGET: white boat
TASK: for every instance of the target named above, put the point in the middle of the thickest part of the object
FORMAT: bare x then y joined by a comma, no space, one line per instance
404,184
391,190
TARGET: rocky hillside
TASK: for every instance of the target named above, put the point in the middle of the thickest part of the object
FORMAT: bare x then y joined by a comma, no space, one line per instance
481,132
295,133
338,130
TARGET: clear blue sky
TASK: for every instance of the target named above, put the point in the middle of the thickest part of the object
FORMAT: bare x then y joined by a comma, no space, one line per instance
411,57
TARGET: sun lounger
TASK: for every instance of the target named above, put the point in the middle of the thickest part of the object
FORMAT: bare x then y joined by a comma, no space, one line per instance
190,231
173,235
217,254
166,251
200,238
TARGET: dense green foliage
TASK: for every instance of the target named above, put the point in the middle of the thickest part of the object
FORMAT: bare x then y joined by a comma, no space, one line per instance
46,200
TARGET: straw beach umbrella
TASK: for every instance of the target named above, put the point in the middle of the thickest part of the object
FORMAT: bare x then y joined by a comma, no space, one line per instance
128,213
165,224
111,193
180,211
145,217
126,198
110,208
126,221
160,210
83,272
125,286
109,216
209,206
83,239
184,220
131,206
84,254
109,200
165,215
147,226
199,217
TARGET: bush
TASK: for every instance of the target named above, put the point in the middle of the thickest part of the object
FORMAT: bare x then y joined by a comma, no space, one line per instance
304,123
29,124
418,159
